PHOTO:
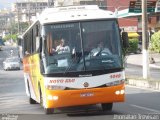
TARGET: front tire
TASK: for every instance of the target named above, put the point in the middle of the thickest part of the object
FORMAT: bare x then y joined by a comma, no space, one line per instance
48,110
31,101
107,106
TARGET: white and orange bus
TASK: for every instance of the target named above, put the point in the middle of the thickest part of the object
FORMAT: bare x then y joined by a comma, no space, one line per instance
83,75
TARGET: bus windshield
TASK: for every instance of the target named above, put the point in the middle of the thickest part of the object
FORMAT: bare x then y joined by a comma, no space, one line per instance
82,46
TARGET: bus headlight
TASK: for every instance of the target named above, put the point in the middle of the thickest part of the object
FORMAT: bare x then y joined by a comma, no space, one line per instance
119,92
52,87
115,83
50,97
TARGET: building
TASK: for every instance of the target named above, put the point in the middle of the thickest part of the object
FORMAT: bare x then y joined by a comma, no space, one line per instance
27,11
5,21
131,22
101,3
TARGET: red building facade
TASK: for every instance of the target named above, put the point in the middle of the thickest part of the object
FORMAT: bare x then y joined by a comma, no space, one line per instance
130,24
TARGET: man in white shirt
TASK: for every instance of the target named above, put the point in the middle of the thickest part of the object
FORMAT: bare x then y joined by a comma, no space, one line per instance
61,48
100,50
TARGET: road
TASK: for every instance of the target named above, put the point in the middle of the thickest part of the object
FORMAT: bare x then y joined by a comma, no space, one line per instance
14,103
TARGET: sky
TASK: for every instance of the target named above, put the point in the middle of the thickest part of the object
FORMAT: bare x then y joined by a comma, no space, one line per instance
6,3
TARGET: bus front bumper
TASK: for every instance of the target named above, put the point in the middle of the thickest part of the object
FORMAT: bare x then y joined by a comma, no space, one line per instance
64,98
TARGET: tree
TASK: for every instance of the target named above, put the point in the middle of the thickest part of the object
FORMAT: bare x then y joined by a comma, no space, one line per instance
155,42
22,27
9,37
13,30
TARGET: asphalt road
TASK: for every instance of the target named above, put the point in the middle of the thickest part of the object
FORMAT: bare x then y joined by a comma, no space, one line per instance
139,103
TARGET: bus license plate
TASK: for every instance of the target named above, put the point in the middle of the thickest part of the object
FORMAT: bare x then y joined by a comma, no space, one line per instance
89,94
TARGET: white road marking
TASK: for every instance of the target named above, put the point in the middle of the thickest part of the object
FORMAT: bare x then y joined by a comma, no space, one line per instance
145,108
149,89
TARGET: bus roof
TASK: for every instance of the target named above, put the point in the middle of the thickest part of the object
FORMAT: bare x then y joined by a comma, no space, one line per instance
73,13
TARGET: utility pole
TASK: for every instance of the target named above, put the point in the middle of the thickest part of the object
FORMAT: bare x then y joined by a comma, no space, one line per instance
11,30
145,40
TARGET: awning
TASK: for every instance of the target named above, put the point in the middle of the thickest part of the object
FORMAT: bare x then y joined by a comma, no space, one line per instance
133,34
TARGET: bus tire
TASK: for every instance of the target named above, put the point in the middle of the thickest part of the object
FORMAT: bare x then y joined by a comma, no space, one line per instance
107,106
31,101
48,110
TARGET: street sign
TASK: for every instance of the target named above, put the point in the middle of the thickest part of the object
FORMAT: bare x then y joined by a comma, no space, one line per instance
136,6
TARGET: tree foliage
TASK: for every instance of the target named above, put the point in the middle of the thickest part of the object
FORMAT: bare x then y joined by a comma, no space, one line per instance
13,30
22,27
155,42
11,37
133,45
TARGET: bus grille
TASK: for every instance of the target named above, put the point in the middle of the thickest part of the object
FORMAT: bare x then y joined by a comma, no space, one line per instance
67,88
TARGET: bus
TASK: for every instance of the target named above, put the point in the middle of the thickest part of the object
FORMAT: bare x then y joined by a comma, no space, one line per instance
80,75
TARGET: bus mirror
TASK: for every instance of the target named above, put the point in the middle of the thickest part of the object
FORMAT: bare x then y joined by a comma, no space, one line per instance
125,39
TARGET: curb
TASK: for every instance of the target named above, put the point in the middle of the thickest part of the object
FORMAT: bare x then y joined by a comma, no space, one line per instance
154,66
138,82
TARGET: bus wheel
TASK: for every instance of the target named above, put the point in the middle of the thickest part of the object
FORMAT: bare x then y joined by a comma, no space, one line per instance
49,110
31,101
107,106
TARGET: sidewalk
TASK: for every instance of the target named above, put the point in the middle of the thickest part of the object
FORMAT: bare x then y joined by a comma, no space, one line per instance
137,59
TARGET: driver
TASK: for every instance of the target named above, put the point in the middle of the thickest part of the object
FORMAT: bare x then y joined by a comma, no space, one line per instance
100,50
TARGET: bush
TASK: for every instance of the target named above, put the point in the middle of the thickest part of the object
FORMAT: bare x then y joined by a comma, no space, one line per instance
155,42
133,45
9,37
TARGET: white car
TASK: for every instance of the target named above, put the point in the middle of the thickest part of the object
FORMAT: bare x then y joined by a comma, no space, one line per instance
11,64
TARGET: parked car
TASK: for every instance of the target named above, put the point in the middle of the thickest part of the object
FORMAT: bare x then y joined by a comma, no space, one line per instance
11,64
